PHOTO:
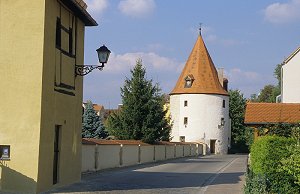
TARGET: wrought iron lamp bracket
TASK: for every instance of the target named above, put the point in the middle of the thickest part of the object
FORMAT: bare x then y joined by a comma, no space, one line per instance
83,70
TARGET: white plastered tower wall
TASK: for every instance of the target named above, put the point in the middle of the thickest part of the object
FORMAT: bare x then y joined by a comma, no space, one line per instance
199,103
291,79
204,113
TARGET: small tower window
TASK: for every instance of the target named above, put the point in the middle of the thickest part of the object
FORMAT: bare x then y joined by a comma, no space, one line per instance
185,121
222,121
223,103
182,138
189,81
185,103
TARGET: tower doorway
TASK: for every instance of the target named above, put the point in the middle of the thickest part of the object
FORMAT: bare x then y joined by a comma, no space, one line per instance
212,146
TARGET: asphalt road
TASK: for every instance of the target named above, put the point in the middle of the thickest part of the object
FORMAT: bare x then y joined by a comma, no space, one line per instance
209,174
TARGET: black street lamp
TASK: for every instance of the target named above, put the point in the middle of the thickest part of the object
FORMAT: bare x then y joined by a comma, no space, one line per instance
103,55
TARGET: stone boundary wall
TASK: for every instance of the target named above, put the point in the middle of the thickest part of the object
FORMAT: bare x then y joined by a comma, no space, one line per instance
104,154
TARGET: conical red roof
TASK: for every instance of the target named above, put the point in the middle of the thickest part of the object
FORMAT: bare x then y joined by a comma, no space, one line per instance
201,70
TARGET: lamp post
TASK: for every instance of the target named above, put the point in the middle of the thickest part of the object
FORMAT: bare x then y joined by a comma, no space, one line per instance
103,55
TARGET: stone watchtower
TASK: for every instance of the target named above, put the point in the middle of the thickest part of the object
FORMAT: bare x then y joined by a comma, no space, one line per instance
41,41
199,105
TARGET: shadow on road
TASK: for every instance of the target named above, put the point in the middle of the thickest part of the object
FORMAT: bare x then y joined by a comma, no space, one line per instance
134,178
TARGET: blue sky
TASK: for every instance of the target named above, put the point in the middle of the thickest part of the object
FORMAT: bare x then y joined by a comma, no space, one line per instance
246,38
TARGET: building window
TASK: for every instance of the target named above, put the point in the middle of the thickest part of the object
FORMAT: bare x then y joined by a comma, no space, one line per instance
182,138
185,103
58,33
4,152
185,121
223,103
65,38
222,121
189,81
56,158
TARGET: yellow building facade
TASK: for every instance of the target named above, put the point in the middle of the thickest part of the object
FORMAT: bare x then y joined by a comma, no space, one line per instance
40,95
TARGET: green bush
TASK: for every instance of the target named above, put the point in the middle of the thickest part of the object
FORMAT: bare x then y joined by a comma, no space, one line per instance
255,184
266,156
291,165
267,152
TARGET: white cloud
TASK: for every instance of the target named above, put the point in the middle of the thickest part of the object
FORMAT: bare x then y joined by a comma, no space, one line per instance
137,8
103,87
122,62
97,6
283,12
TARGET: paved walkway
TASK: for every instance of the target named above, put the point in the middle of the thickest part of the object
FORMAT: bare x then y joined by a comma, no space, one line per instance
204,175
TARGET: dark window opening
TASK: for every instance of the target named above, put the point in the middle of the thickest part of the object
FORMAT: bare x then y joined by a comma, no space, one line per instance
212,146
4,152
182,138
59,28
185,103
222,121
223,103
185,121
58,33
56,154
71,41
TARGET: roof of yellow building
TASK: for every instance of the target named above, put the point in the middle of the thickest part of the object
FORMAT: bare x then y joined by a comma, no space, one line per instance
265,113
201,69
79,9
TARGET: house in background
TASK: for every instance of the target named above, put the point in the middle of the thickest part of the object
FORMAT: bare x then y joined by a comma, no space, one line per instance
41,41
288,111
102,112
266,114
290,78
199,103
99,109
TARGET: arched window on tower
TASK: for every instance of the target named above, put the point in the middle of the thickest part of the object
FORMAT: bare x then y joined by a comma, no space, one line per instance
189,81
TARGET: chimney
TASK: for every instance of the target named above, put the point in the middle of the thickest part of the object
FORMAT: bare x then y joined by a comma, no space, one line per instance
221,75
225,84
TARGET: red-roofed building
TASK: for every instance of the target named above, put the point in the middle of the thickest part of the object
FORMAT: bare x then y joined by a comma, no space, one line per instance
199,103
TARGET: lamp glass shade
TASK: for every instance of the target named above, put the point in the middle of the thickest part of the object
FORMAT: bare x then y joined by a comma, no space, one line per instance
103,54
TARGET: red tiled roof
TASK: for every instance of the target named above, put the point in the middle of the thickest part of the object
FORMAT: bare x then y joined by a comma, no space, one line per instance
98,107
203,70
264,113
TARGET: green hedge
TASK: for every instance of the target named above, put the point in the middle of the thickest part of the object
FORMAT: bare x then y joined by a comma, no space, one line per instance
267,152
266,172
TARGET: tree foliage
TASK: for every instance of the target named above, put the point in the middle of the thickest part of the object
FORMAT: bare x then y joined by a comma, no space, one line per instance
277,74
272,158
92,126
269,92
142,116
240,135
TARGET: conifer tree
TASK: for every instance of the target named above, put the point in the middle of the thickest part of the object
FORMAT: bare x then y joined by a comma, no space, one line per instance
142,116
92,126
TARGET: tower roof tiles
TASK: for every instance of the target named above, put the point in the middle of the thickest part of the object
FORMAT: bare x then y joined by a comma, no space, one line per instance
204,75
